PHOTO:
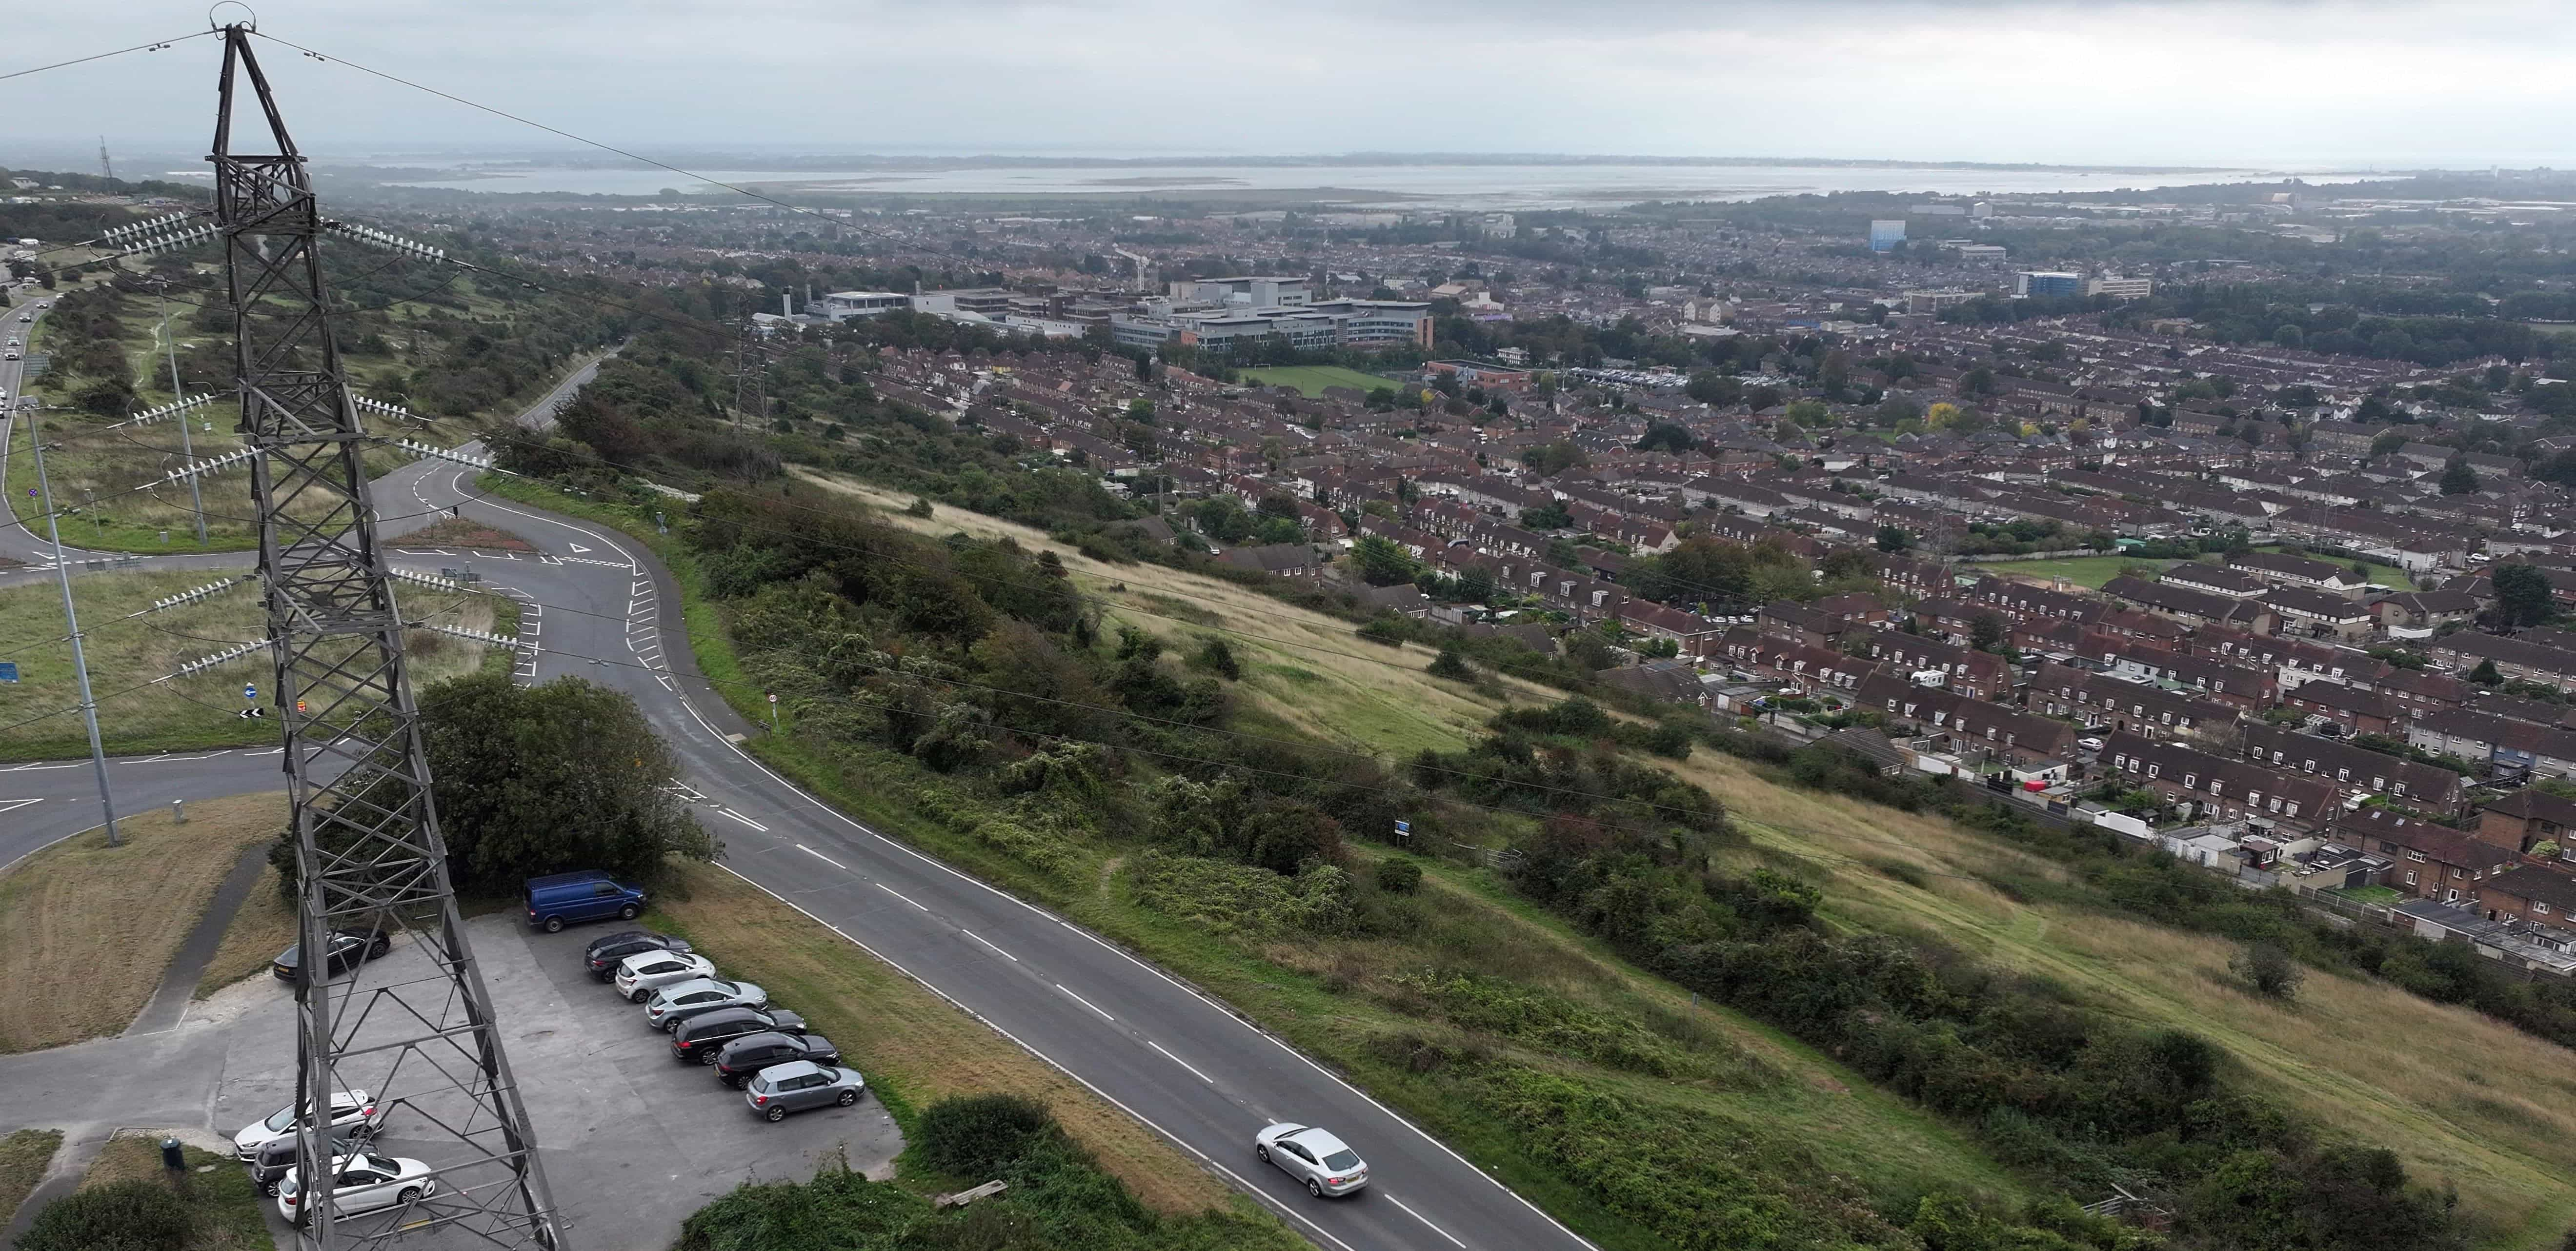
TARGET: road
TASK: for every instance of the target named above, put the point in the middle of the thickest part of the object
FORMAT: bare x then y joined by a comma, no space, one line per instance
1176,1060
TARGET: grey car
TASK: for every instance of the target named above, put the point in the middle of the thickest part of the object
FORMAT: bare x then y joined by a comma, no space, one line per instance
664,1009
797,1085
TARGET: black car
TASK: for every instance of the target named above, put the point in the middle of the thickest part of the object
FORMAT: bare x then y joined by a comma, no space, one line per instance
698,1038
349,949
602,955
736,1061
275,1158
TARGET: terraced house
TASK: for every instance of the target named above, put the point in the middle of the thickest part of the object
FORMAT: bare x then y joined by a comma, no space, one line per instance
2099,699
2428,861
2356,771
2221,788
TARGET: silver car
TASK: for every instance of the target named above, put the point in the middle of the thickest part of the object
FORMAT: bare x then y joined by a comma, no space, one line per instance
350,1109
664,1009
639,975
1326,1164
775,1091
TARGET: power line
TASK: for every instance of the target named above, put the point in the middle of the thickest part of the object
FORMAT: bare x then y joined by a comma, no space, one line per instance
154,46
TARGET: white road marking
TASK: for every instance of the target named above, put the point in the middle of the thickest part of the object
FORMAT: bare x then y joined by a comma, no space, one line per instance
1426,1221
899,895
29,767
1084,1002
824,858
989,943
1194,1070
745,820
12,805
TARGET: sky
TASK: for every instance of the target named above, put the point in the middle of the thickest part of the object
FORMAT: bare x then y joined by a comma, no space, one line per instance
2293,84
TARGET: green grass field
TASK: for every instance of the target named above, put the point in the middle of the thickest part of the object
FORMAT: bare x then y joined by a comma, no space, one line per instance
1312,379
2089,572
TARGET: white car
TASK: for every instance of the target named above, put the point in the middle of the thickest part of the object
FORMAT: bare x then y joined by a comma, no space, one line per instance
349,1109
679,1001
639,975
1326,1164
2089,744
360,1183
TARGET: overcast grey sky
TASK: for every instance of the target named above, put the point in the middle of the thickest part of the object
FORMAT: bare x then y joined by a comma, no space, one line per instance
2263,82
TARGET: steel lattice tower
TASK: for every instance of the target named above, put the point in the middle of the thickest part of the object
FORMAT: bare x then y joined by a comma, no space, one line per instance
369,853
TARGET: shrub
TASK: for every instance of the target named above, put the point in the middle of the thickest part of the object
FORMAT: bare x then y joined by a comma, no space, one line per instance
123,1216
1398,876
2268,969
1453,666
1217,657
981,1135
1385,630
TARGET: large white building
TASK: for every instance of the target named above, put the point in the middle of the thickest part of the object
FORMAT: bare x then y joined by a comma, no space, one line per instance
2120,288
844,305
1362,324
1255,291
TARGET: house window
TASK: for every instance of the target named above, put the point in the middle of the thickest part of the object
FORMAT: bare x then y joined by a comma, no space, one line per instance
2539,907
2341,775
2152,770
2190,780
2410,877
2414,855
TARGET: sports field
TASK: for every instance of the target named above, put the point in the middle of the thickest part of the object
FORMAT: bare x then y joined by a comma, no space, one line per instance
1312,379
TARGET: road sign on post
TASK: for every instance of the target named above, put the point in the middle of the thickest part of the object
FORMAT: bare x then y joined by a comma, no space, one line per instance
8,671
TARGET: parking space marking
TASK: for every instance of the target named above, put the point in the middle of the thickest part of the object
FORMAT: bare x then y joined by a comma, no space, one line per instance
1194,1071
989,943
899,895
824,858
1084,1002
1426,1221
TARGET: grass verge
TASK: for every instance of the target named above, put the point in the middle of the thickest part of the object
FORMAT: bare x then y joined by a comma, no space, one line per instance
24,1157
222,1200
263,927
139,901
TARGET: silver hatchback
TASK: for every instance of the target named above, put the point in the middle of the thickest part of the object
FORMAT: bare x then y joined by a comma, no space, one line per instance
797,1085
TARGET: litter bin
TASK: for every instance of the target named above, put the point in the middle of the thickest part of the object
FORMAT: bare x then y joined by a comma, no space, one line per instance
172,1158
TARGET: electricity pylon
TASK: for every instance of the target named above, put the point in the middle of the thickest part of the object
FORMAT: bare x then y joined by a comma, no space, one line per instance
369,858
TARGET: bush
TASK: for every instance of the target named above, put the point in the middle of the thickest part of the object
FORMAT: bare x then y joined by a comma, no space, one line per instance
1217,657
1398,876
2269,970
1453,666
1387,630
981,1135
123,1216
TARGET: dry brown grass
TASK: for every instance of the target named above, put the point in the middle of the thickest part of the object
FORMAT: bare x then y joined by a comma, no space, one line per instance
902,1035
263,927
1302,668
24,1157
138,901
2460,1097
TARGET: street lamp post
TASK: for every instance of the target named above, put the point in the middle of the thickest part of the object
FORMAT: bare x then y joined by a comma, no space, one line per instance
71,618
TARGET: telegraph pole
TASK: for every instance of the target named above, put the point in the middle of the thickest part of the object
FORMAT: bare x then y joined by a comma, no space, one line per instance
187,450
71,621
368,851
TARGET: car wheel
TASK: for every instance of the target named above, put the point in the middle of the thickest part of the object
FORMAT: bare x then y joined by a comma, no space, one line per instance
377,950
269,1189
707,1057
670,1025
849,1097
410,1194
639,995
776,1114
626,913
1314,1188
1261,1153
554,925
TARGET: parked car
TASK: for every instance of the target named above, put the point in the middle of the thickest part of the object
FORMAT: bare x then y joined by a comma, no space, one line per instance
638,976
2089,744
276,1159
1326,1164
701,1036
797,1085
677,1002
359,1183
349,949
602,955
350,1109
739,1059
590,895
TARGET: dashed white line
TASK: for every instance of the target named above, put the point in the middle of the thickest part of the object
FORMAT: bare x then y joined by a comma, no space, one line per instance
1426,1221
899,895
1194,1069
989,943
824,858
1084,1002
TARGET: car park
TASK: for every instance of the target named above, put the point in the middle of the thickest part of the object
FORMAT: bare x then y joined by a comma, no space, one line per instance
739,1059
360,1183
559,899
638,976
798,1085
276,1159
700,1037
675,1003
349,949
602,954
349,1110
1323,1163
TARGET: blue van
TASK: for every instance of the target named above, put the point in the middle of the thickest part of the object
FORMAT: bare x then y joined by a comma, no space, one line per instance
559,898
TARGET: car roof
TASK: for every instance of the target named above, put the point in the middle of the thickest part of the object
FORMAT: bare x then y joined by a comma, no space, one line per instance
793,1068
695,984
642,958
577,878
1319,1141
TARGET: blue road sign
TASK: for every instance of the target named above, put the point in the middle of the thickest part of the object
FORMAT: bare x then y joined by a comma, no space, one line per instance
250,691
8,671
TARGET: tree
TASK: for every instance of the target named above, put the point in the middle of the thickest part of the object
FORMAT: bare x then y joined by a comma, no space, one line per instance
1809,412
1141,410
1894,538
1986,632
540,779
1552,517
1381,562
2523,596
2269,970
1217,657
2459,479
1450,664
1666,436
1941,416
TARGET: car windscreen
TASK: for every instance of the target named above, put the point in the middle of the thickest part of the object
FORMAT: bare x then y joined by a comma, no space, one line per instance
285,1117
1342,1159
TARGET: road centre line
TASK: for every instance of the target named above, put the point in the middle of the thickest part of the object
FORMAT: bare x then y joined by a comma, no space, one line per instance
1194,1071
899,895
989,943
1084,1002
1426,1221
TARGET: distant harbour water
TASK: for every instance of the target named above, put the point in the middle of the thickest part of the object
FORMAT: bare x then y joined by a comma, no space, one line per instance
1494,187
